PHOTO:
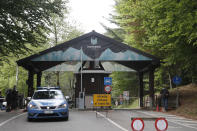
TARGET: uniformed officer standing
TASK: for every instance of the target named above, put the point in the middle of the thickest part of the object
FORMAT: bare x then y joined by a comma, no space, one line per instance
1,100
164,96
9,100
14,98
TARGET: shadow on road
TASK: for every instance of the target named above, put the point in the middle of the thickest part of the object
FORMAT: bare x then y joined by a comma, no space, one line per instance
48,120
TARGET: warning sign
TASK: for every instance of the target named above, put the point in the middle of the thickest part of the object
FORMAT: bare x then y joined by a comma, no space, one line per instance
102,99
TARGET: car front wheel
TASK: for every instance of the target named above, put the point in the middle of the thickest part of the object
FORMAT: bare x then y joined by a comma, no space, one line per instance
29,119
66,118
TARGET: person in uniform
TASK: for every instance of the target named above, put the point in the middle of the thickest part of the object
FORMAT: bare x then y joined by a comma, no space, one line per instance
164,97
1,100
9,100
14,98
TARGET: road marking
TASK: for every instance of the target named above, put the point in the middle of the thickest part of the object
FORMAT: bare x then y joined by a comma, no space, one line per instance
170,115
179,118
114,123
1,124
182,124
173,121
173,127
194,122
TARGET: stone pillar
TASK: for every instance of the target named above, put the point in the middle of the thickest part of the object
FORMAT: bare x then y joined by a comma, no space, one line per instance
151,87
141,90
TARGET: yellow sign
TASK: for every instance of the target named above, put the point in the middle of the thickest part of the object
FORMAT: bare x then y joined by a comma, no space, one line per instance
102,99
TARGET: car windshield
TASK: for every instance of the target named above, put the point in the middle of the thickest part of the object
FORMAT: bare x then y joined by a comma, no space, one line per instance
48,95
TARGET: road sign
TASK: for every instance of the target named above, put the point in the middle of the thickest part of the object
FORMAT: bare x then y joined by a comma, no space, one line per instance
161,124
101,100
107,89
176,80
107,81
137,124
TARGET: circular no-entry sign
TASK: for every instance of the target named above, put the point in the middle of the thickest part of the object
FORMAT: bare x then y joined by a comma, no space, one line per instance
108,89
137,124
161,124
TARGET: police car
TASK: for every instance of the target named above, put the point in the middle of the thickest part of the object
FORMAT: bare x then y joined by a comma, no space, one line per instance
47,102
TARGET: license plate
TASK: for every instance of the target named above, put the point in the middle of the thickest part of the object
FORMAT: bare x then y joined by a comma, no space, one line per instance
48,112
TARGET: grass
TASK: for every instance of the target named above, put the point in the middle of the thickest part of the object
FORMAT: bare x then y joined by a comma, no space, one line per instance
131,105
188,101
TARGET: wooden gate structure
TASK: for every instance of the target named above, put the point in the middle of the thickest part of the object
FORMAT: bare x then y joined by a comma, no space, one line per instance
93,48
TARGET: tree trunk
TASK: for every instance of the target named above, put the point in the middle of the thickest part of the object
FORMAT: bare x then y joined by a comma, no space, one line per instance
169,76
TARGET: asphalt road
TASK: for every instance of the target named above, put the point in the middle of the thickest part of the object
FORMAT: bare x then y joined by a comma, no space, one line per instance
87,121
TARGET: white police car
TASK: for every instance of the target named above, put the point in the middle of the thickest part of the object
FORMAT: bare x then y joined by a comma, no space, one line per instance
47,102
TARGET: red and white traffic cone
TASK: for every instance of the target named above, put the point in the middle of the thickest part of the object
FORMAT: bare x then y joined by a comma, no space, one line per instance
157,108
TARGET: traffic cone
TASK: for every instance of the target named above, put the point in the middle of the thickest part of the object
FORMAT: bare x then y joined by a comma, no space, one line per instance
157,108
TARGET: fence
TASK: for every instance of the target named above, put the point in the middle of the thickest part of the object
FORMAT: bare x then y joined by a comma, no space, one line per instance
173,101
129,102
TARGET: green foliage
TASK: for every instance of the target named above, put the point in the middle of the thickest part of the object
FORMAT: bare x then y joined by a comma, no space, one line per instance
165,28
127,20
59,29
24,22
62,30
8,69
117,34
124,81
8,77
131,104
66,80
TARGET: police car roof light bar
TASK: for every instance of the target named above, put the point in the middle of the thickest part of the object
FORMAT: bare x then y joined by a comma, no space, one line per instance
48,88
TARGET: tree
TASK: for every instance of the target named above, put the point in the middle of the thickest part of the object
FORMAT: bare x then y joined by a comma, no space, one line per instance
24,22
125,81
8,77
64,31
126,18
165,28
61,30
117,34
170,27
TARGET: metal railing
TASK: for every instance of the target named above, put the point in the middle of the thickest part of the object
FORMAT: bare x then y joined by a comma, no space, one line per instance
130,102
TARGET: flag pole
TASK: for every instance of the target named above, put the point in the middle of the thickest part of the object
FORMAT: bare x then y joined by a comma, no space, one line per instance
81,70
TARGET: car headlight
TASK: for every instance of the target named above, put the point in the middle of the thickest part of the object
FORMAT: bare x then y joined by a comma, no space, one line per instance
33,106
62,106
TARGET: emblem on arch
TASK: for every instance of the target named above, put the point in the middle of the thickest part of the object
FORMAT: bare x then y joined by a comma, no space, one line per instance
94,40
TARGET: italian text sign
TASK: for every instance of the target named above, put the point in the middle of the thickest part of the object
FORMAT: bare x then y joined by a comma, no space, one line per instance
102,99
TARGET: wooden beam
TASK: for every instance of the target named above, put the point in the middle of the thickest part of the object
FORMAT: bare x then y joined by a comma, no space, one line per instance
151,87
39,76
141,91
30,82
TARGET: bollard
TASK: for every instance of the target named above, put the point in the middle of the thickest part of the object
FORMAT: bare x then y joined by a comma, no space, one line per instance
157,109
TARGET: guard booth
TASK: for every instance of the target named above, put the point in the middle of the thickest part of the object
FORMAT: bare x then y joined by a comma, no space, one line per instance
95,53
92,79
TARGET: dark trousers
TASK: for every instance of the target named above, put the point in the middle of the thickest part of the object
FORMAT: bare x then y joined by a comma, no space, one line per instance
165,103
1,105
8,108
